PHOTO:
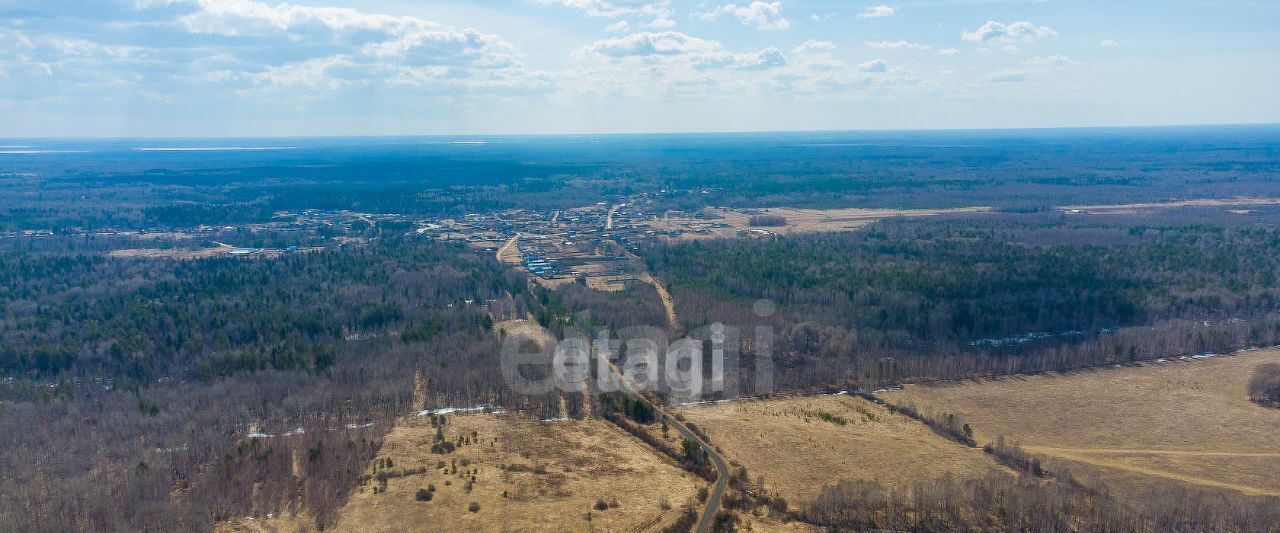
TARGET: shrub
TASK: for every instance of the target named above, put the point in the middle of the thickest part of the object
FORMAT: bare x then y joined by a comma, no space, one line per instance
1264,386
474,507
601,505
424,495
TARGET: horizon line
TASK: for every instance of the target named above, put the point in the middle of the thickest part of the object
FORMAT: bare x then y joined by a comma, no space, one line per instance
669,132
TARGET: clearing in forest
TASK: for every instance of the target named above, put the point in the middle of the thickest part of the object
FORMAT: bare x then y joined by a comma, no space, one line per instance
1183,421
522,475
802,444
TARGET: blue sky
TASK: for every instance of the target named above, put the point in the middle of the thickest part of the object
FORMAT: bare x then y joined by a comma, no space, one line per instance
342,67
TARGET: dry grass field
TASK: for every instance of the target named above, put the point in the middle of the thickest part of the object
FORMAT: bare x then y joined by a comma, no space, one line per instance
1129,209
528,476
169,253
1183,421
819,220
799,445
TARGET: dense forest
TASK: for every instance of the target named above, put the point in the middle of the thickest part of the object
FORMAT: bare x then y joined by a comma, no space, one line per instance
949,298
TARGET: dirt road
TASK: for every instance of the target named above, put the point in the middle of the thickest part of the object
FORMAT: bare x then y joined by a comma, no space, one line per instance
1087,457
608,220
708,518
506,248
667,302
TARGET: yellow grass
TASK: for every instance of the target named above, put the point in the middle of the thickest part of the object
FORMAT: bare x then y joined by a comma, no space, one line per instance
553,473
1180,422
798,453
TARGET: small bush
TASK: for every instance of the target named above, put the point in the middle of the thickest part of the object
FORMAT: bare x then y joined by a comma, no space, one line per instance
1264,386
474,507
424,495
601,505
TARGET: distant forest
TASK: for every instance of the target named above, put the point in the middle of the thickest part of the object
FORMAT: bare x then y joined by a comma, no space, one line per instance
113,186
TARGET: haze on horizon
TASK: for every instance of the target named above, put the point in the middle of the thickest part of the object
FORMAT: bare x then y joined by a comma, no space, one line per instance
392,67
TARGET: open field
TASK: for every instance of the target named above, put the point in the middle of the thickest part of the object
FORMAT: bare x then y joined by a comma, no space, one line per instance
201,253
800,444
528,476
1184,421
170,253
1129,209
733,221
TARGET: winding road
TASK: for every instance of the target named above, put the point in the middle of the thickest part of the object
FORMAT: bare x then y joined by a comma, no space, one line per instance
708,517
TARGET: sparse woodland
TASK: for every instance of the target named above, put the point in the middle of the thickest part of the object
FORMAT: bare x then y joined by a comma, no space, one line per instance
999,502
163,395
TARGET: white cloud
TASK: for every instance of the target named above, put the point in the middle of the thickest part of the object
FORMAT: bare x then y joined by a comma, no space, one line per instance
816,55
1109,43
677,47
328,48
996,32
896,45
1034,67
661,24
317,73
762,15
948,52
874,66
1050,61
877,12
1006,76
620,26
813,45
668,43
248,17
618,8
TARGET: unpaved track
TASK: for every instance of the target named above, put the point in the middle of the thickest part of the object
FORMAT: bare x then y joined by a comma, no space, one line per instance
505,248
608,220
1119,465
708,518
667,302
1141,451
1207,202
